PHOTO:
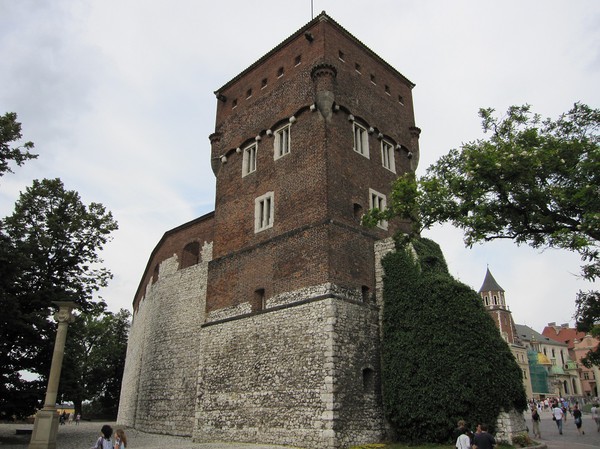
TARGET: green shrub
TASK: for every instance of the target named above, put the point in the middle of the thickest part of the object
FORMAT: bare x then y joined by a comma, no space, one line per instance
443,357
522,440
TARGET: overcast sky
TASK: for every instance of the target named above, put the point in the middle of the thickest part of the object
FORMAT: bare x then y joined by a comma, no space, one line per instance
118,99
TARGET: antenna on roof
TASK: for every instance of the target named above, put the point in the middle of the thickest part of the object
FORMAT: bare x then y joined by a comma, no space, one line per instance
312,15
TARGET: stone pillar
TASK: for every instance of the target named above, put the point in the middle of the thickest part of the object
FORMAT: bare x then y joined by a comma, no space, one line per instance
45,427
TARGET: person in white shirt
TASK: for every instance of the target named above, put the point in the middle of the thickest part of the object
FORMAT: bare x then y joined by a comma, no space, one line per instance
463,441
558,417
596,415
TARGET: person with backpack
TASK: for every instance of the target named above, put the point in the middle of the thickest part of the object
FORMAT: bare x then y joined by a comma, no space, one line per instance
104,441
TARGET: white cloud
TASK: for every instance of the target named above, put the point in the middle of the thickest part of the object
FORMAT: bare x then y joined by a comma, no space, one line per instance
118,97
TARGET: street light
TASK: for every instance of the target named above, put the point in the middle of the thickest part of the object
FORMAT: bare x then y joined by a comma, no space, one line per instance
45,427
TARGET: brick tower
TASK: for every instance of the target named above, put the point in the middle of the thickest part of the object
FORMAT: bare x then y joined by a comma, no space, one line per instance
307,139
285,348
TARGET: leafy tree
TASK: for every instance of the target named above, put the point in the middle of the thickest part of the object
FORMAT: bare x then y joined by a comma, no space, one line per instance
588,320
533,181
49,251
460,368
15,393
95,359
10,131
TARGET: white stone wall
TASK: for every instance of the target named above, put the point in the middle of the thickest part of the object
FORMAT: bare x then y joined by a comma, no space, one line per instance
291,376
131,373
510,424
162,356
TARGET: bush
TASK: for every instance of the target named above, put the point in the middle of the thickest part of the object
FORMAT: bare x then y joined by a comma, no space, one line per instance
522,440
443,357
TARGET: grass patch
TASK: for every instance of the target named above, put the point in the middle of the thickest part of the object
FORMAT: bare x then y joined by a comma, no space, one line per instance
421,446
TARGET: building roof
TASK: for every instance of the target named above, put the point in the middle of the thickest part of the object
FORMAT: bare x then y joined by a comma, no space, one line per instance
543,359
527,334
490,284
323,17
563,333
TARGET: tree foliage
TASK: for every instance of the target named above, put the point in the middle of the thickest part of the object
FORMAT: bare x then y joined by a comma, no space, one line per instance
48,252
587,316
58,238
95,360
533,181
459,369
10,132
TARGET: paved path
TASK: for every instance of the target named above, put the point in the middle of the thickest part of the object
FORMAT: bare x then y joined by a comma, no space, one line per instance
570,439
83,436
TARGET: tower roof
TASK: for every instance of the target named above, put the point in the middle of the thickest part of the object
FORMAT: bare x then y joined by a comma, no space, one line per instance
305,30
490,284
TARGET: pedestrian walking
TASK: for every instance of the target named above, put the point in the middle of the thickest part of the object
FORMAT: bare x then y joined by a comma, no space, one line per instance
578,420
535,419
557,416
596,415
104,441
120,439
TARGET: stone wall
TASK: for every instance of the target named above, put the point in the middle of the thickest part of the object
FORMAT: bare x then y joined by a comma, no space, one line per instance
162,361
305,375
510,424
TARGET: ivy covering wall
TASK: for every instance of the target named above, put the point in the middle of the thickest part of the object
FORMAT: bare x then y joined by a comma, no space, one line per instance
443,357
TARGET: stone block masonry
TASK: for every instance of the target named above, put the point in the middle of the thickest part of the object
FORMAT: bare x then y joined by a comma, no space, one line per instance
305,374
162,355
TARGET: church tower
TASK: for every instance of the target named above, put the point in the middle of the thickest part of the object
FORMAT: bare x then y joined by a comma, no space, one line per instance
494,302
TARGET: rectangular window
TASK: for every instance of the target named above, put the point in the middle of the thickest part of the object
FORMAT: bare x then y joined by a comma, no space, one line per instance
264,207
361,139
249,161
387,156
377,201
282,141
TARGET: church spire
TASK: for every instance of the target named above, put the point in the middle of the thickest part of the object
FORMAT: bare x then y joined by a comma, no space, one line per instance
490,284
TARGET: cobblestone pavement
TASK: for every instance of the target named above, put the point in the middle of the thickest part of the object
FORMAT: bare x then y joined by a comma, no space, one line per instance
83,436
570,439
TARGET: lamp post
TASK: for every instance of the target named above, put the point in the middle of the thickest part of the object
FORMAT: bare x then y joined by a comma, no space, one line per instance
45,427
